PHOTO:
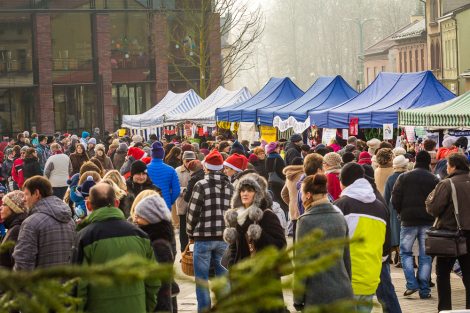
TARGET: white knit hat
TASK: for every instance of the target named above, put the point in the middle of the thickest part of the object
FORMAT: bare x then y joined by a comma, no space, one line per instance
153,209
399,151
400,161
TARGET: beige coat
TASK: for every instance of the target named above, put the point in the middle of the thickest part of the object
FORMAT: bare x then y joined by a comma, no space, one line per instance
381,174
289,192
184,177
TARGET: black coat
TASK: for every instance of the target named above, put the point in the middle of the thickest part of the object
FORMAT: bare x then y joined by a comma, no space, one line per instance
260,168
292,151
410,193
31,167
195,177
13,224
277,165
134,189
162,238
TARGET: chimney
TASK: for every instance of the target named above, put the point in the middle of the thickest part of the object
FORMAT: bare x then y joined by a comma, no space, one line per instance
415,18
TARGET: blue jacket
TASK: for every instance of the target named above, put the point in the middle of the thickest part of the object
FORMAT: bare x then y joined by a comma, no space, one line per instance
165,177
80,203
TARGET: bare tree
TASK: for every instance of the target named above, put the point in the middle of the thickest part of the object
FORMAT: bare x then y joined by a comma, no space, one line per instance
195,32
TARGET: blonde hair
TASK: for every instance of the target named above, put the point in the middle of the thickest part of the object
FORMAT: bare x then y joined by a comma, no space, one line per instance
84,176
116,177
144,194
117,191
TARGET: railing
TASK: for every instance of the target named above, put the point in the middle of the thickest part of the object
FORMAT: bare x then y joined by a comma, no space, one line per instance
71,71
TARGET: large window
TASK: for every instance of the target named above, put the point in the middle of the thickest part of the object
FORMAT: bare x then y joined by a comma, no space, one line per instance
434,10
74,109
369,80
433,56
72,55
404,62
16,57
130,46
16,110
130,99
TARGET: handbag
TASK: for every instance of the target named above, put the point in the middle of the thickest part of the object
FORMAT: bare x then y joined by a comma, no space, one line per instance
446,243
251,245
274,179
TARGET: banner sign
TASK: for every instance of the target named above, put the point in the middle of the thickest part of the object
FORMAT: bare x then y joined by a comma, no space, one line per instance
291,122
354,126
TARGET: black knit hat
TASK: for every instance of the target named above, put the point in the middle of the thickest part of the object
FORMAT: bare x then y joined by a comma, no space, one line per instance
138,167
462,142
423,157
50,139
41,137
350,173
295,138
348,157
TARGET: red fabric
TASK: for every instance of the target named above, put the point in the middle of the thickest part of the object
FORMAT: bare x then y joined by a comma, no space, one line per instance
127,175
214,158
18,177
147,160
238,161
443,152
136,153
334,187
335,147
2,146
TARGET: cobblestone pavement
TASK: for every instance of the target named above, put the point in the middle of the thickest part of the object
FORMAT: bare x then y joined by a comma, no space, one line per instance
187,298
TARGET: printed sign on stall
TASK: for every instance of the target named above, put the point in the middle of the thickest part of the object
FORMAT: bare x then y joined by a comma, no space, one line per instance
328,134
388,131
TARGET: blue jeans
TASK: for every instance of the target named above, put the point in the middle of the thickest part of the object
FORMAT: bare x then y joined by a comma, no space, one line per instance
386,292
203,252
408,235
364,308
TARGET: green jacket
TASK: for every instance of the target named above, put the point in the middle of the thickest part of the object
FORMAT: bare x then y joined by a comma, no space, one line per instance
103,236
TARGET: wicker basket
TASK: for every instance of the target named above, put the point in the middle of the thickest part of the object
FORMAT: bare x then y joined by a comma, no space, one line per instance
187,262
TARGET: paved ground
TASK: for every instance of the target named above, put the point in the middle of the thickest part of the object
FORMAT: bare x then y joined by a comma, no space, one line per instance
187,298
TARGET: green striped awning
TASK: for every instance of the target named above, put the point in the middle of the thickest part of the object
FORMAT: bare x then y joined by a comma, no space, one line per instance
452,114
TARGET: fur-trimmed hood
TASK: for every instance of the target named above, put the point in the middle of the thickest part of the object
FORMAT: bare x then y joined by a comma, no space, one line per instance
261,202
292,172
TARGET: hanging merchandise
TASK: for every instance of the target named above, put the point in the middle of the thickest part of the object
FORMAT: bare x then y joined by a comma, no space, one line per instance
354,126
227,125
291,122
188,130
246,131
201,131
268,133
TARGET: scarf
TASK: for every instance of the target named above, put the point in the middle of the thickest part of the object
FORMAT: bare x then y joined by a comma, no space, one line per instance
274,155
58,152
316,200
333,171
243,214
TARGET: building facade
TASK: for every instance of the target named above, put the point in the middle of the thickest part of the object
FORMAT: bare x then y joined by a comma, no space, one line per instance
72,65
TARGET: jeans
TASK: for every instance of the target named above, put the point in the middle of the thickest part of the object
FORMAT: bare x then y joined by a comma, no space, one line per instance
364,308
443,269
183,235
59,192
204,251
386,292
408,235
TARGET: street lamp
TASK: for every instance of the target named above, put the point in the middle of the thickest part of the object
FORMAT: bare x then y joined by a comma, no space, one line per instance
360,24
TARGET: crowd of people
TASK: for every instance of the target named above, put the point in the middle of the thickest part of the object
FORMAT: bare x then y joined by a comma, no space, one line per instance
92,199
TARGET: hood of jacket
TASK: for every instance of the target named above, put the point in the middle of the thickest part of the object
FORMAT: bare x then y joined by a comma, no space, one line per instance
199,175
14,219
258,184
30,160
299,183
75,196
360,190
217,179
54,207
291,145
163,230
99,215
293,172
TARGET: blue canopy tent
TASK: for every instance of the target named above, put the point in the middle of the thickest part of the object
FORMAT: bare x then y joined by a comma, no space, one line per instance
379,103
325,93
277,92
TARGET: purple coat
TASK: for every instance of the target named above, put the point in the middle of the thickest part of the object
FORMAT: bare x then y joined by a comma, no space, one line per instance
300,205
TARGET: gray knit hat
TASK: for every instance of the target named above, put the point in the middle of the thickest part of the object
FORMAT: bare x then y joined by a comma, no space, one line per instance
153,209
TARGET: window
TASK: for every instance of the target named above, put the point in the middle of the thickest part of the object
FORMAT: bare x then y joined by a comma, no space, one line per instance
454,53
405,68
416,61
422,60
438,53
368,76
433,56
129,99
376,72
384,68
400,62
16,110
411,61
434,10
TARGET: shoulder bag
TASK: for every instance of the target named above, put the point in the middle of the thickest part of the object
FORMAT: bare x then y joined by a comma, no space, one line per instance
274,179
446,243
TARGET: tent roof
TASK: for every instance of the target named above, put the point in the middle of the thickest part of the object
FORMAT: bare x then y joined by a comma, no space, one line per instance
172,105
221,97
325,93
277,92
454,113
379,103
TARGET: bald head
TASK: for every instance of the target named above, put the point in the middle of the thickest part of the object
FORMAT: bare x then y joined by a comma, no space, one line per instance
102,195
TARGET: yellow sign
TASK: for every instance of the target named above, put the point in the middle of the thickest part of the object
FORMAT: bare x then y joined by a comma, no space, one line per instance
268,133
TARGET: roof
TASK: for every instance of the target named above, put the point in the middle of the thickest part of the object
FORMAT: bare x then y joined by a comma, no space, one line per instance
386,43
379,103
451,114
415,30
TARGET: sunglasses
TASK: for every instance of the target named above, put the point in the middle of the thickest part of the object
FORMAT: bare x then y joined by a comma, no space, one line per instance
22,152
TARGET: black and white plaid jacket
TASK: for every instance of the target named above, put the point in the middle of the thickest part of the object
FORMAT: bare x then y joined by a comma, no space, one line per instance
210,199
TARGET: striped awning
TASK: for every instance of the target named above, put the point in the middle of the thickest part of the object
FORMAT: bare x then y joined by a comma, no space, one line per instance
452,114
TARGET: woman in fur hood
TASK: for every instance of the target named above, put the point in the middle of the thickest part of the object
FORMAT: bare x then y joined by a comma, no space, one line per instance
250,215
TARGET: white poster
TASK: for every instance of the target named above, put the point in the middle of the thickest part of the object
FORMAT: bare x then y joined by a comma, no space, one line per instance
328,134
388,131
256,136
410,133
345,133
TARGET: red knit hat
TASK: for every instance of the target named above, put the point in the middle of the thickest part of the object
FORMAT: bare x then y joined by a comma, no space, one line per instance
365,158
136,153
214,161
236,162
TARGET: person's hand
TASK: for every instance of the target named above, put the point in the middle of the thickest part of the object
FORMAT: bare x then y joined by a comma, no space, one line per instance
191,241
9,179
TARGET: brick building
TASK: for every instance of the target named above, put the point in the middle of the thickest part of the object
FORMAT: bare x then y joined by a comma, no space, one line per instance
72,65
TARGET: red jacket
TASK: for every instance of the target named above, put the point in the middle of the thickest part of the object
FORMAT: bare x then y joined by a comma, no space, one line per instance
333,186
17,172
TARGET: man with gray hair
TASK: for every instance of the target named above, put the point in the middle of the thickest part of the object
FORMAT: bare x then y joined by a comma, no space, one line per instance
26,134
97,135
351,147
